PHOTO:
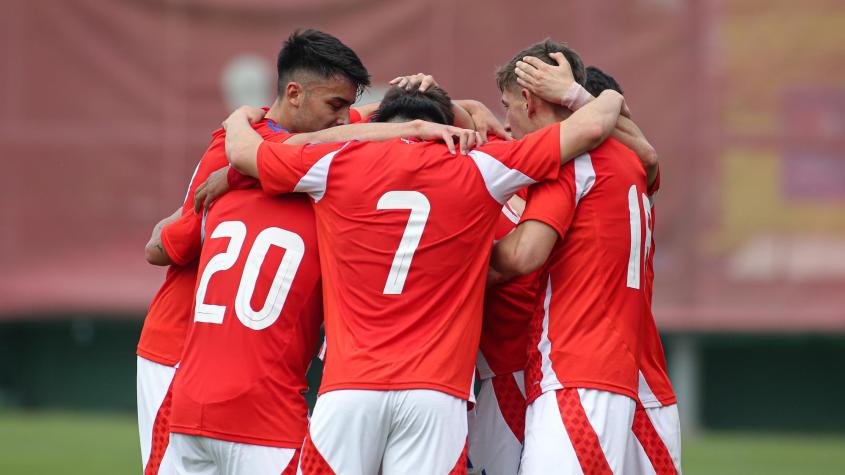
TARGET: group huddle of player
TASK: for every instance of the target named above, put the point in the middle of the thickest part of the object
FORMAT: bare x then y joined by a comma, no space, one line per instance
444,254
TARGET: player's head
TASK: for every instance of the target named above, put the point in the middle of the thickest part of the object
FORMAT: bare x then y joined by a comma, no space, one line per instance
598,81
525,111
399,105
319,78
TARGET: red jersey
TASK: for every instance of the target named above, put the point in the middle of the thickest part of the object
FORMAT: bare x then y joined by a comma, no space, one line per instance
404,231
169,316
508,309
257,319
655,389
586,333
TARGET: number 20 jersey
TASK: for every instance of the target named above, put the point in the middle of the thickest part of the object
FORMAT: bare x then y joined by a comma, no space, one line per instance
404,231
257,317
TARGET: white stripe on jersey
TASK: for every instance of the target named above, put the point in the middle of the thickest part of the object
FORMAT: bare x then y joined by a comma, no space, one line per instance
502,182
314,182
194,175
550,380
511,214
585,176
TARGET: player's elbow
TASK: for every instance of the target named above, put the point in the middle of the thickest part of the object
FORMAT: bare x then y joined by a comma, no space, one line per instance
648,156
155,255
520,261
526,261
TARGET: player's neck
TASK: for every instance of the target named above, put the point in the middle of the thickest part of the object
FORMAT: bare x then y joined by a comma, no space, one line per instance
275,114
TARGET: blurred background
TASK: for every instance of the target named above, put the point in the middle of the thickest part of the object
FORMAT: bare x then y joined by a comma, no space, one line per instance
108,105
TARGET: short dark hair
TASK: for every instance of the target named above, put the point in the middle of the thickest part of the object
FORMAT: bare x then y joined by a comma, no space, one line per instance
598,81
433,105
506,75
321,54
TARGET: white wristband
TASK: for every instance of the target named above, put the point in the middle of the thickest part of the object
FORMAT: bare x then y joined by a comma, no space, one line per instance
575,97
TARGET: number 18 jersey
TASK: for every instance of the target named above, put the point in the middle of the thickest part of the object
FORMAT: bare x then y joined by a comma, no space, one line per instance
257,317
586,332
404,231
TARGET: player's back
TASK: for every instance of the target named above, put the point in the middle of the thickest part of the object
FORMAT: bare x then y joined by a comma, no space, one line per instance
412,230
405,231
586,332
256,323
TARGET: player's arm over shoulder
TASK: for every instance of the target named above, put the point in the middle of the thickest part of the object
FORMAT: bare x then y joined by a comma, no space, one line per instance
524,250
590,125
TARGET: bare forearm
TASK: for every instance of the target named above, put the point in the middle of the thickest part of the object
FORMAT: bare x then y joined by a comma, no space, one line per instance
588,127
154,251
628,133
368,109
242,143
369,131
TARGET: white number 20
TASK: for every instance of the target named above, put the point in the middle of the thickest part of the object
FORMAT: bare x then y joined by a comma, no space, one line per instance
294,248
634,261
420,207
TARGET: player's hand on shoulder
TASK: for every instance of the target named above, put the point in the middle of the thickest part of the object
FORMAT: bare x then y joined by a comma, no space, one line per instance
549,82
466,139
215,186
251,114
419,80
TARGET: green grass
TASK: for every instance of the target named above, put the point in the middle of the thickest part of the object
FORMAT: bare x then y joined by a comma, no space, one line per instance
42,443
92,444
770,454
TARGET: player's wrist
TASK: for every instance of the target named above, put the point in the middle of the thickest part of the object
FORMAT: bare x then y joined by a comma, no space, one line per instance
575,97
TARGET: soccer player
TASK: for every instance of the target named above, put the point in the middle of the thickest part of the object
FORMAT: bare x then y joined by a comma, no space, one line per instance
318,79
656,443
237,398
404,230
586,232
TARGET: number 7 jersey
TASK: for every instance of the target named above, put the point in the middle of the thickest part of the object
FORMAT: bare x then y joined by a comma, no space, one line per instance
404,229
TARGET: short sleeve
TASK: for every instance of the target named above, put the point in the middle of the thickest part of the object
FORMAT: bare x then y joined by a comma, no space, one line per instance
286,168
354,115
182,239
553,202
507,166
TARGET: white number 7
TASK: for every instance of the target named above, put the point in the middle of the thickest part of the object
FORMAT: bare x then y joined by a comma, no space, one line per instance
420,207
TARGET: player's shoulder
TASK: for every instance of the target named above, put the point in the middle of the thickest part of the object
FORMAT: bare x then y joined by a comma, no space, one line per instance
255,204
612,148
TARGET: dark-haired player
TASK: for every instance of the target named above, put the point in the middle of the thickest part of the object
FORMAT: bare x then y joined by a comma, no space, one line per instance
585,232
404,230
318,79
656,443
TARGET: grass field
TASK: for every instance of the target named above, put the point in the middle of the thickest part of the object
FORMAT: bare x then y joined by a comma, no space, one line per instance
92,444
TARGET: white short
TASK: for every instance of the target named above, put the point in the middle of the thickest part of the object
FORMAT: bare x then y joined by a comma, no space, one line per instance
193,455
574,431
497,425
654,447
360,432
153,388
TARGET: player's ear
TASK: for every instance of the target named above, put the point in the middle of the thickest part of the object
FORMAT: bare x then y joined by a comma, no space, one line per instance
529,100
294,93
